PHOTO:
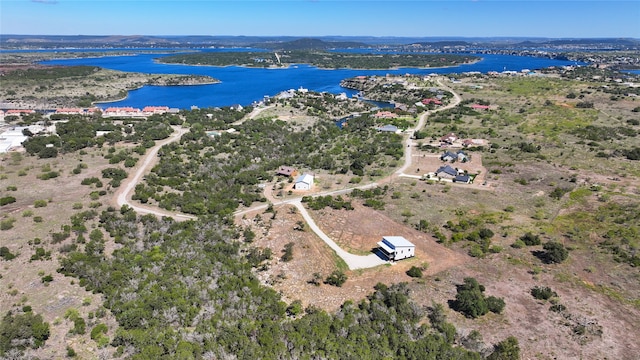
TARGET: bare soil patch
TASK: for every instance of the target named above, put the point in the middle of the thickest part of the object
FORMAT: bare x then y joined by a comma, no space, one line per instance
21,278
358,231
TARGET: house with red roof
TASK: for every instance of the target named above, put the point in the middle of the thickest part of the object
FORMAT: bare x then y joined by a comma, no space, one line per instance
71,111
122,111
19,112
449,138
152,110
431,101
480,107
385,115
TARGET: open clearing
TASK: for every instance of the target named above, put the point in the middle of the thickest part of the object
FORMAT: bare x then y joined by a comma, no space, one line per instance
357,231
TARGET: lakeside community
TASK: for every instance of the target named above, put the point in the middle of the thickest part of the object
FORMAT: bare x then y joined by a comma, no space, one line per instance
443,179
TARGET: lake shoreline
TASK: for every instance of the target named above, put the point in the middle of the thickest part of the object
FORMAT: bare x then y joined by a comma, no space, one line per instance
249,84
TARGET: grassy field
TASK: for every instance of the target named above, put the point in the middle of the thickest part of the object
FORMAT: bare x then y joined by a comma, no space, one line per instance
565,190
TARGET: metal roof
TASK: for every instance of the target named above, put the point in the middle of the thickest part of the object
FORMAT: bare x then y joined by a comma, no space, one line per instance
397,241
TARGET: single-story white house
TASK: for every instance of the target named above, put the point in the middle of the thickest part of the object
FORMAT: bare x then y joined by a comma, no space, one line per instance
304,182
396,247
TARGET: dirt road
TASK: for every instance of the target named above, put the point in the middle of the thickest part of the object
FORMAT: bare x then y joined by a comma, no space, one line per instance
123,195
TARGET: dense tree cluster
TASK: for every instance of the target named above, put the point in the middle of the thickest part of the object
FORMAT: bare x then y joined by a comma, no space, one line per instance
21,331
471,301
320,202
50,72
215,175
188,285
79,132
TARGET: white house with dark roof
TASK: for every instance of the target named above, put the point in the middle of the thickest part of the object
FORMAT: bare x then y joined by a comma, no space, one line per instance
454,156
397,247
303,182
465,179
447,172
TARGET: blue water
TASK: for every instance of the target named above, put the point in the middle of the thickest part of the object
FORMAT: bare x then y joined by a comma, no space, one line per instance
240,85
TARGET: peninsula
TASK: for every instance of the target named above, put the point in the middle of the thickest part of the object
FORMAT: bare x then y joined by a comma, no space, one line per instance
320,58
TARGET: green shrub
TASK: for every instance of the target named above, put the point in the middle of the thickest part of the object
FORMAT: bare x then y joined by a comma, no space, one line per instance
336,278
508,349
70,352
476,251
7,224
7,200
6,254
48,175
288,252
415,272
518,244
471,301
98,330
40,203
530,240
495,305
555,252
543,293
558,193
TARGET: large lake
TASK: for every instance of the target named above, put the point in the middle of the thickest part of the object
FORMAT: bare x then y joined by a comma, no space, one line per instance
240,85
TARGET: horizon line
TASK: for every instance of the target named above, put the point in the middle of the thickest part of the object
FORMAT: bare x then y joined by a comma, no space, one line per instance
345,36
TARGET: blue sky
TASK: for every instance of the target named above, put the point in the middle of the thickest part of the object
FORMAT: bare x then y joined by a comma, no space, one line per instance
456,18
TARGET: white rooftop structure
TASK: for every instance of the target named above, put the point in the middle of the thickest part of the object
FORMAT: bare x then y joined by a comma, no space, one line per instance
397,247
304,182
13,137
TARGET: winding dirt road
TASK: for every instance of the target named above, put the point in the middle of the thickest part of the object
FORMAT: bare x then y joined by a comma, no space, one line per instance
123,195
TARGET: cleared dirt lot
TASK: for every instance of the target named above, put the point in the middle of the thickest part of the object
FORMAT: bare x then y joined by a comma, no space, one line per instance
358,231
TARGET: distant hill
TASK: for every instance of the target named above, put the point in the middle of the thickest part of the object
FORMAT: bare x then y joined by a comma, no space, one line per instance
582,42
443,43
9,41
310,44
